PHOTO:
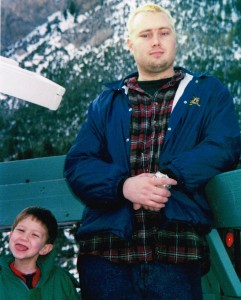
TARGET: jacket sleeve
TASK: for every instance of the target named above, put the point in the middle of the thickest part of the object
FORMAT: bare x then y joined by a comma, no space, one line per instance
207,139
89,168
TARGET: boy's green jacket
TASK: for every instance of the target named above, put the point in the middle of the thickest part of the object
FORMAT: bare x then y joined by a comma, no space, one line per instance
55,282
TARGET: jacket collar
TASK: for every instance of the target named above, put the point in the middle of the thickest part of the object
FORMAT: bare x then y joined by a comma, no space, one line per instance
118,85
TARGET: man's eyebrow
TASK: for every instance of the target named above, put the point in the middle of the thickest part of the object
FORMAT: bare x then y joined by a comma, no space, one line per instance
160,28
144,31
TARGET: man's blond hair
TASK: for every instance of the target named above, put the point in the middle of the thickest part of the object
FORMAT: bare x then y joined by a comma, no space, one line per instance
148,7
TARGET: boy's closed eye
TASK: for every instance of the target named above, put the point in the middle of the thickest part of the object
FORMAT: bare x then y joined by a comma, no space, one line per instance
36,235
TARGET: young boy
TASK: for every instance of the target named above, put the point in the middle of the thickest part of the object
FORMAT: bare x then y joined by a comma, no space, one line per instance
30,273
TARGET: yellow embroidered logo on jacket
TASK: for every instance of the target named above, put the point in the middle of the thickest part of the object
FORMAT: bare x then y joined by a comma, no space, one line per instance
195,101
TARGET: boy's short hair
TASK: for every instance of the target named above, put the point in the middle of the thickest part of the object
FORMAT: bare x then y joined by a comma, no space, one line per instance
148,7
42,215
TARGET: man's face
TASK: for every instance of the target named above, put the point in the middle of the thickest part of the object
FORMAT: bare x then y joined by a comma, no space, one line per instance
153,45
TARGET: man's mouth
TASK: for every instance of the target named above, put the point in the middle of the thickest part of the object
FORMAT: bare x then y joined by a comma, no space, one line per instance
156,53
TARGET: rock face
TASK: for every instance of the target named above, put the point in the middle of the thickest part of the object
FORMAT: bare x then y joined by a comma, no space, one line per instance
20,17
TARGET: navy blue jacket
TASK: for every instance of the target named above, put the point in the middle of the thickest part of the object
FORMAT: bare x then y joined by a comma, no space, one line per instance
202,140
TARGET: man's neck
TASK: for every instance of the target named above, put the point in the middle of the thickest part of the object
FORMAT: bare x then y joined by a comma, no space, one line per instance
142,76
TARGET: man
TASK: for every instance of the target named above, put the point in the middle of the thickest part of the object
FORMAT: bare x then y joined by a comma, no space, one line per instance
143,234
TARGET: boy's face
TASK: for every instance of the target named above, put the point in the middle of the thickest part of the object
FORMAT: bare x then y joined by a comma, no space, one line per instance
28,239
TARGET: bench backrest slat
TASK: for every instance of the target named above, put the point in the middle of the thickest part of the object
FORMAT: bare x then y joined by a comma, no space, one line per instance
29,170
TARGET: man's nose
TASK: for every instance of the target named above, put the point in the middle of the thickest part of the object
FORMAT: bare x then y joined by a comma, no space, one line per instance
156,40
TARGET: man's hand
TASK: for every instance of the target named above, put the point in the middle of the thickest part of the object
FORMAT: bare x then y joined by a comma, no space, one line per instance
147,191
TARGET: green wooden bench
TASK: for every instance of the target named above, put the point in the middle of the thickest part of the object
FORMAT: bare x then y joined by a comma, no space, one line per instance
224,195
40,182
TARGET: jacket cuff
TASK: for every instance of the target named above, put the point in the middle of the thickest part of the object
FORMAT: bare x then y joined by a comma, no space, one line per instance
120,188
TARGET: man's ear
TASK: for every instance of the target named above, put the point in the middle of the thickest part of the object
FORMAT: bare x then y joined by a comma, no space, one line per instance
129,44
46,249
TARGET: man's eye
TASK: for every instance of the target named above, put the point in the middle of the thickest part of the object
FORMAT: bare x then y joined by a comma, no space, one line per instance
19,229
144,35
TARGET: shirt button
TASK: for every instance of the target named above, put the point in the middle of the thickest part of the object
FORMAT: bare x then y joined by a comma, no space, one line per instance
127,140
185,102
169,128
196,81
130,109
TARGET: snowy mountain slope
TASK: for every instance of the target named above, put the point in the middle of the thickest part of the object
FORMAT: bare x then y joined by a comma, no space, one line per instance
82,50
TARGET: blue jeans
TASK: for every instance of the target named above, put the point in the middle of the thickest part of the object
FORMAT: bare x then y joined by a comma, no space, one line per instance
104,280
